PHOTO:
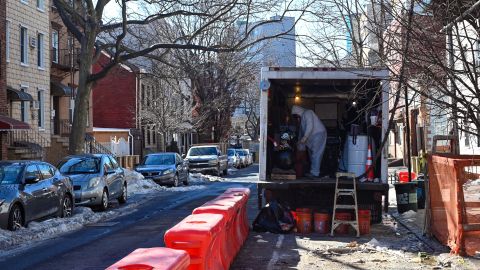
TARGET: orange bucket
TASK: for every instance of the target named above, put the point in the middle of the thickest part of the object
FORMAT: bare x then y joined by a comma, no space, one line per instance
364,219
321,223
304,222
344,228
304,210
403,176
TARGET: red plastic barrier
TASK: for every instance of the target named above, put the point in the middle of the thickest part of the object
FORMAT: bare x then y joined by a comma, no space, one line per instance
240,201
245,193
158,258
228,246
200,236
236,233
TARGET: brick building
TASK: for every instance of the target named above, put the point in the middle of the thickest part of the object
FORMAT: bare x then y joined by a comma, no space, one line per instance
426,44
28,76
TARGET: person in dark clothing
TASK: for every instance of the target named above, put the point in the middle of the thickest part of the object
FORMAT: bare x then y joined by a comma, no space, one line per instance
173,147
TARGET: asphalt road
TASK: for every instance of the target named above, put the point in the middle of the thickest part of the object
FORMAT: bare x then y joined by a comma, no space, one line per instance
99,245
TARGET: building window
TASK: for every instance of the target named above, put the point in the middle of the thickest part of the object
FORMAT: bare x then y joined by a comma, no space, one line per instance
7,41
154,136
143,94
55,49
24,107
41,4
23,45
40,53
41,109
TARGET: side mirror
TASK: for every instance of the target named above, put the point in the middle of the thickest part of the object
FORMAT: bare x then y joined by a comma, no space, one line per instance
31,179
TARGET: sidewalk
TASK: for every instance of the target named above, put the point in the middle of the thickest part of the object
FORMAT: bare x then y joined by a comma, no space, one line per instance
396,243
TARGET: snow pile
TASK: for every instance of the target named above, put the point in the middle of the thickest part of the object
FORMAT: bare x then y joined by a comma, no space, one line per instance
198,178
53,227
471,190
137,184
409,214
392,196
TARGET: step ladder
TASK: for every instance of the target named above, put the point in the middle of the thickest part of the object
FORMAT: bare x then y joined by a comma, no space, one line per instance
345,192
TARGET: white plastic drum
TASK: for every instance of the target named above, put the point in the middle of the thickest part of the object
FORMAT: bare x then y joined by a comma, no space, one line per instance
357,154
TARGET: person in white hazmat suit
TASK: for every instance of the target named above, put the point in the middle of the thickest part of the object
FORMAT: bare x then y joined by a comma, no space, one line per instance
313,135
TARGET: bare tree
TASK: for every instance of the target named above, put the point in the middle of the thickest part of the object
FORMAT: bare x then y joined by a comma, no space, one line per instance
87,22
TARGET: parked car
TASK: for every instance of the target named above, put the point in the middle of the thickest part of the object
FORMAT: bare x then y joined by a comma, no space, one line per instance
207,158
249,156
233,158
243,158
32,190
164,168
96,179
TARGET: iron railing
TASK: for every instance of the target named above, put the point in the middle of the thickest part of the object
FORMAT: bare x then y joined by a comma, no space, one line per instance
66,58
29,139
94,147
65,127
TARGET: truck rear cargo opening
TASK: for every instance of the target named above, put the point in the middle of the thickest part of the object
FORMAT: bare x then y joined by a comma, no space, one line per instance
352,105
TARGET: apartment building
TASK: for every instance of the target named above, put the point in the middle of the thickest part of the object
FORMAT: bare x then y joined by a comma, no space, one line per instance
28,75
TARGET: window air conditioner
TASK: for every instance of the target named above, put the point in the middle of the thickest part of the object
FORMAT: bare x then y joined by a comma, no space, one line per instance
33,42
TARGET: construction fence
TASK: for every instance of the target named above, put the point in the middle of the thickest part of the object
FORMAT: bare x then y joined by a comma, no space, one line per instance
454,184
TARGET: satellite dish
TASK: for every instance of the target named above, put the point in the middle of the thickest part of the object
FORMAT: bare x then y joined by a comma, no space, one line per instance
264,85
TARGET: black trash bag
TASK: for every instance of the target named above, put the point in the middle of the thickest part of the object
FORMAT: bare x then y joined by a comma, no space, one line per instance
274,218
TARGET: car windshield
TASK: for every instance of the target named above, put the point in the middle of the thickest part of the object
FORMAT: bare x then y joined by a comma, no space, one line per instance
230,152
241,153
9,173
203,151
81,165
159,160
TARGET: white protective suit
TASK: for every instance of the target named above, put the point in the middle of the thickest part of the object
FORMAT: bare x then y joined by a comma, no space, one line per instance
312,134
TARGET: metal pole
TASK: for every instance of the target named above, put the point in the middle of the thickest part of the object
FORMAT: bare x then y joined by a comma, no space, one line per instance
407,135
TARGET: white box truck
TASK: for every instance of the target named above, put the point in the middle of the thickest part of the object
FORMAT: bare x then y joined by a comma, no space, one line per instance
353,104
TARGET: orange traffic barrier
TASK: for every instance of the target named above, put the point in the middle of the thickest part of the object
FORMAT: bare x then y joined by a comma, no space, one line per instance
238,232
246,191
321,223
242,221
228,243
364,219
200,236
304,222
158,258
246,196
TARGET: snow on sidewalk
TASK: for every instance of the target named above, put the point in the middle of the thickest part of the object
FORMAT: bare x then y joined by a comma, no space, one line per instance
138,187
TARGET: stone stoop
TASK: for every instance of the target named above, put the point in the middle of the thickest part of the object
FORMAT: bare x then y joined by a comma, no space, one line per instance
22,153
57,150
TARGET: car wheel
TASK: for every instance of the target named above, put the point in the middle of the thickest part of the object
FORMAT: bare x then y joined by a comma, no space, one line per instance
104,203
185,182
175,180
123,198
67,207
15,218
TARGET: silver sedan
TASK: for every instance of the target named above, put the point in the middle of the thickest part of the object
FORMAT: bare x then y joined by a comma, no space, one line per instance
96,179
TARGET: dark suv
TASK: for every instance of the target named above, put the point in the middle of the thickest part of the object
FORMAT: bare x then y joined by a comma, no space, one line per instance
31,190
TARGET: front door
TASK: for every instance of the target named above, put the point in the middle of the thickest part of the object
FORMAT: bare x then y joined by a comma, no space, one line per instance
56,117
